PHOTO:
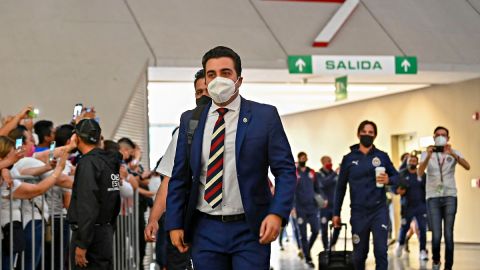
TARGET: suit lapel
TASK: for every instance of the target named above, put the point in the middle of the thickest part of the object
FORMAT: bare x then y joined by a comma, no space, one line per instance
244,119
197,142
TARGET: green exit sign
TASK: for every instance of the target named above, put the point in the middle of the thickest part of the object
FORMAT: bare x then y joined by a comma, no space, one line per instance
300,64
352,64
405,65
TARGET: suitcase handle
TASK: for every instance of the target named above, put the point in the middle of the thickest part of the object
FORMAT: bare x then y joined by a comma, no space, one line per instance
330,240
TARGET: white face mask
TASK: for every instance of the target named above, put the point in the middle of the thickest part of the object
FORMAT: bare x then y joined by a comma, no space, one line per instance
221,89
440,141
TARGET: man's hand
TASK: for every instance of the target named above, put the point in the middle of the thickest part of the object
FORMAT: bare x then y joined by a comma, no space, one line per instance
24,112
73,143
448,150
16,155
270,229
430,150
176,236
401,191
50,165
80,257
337,221
28,123
150,232
383,179
7,177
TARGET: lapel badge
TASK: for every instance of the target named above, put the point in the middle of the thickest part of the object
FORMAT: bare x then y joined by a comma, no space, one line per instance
245,120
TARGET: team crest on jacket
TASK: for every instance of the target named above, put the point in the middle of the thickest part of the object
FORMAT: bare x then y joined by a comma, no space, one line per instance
376,162
449,159
355,239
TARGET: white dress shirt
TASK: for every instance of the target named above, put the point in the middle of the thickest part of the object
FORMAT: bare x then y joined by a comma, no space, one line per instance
231,198
165,167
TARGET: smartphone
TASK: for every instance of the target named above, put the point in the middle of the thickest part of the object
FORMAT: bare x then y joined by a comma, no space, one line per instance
33,113
52,150
77,110
18,143
438,149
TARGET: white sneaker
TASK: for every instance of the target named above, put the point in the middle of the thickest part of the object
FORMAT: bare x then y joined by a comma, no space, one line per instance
399,250
423,255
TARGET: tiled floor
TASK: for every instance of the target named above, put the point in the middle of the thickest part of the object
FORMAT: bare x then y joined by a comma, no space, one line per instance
466,257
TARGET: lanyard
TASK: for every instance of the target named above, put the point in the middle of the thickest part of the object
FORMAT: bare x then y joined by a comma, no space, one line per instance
440,165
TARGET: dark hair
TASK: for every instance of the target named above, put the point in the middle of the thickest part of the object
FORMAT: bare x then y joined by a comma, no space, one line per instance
402,157
111,146
127,141
440,127
199,75
43,128
22,127
367,122
63,133
301,154
17,133
222,51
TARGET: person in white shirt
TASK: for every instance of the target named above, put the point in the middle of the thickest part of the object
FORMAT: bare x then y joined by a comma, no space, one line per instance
165,168
439,162
34,208
17,190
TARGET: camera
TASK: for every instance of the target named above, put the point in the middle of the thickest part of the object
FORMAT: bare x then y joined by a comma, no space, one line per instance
438,149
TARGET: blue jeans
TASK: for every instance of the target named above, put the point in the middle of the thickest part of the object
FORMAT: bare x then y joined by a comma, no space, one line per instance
442,209
58,246
37,244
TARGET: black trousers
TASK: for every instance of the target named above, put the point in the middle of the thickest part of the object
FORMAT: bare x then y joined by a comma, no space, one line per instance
175,259
100,252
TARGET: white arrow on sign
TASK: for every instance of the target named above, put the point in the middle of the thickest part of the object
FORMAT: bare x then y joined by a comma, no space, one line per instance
405,65
300,64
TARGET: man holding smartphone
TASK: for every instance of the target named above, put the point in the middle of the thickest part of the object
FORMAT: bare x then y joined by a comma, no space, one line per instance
439,161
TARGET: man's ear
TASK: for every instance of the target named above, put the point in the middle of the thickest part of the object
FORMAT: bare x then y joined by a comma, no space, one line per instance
240,80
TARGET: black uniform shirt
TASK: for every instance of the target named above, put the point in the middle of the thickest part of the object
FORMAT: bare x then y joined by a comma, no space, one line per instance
95,195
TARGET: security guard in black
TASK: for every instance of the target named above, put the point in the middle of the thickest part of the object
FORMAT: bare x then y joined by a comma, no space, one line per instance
95,202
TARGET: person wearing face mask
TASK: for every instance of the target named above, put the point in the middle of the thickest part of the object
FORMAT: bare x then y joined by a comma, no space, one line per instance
411,188
95,202
327,179
439,162
175,259
230,216
306,206
369,212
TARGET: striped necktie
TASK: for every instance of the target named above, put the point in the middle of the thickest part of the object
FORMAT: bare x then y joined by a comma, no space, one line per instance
214,182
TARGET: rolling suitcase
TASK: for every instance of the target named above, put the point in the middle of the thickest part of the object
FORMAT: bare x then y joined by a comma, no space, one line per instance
336,260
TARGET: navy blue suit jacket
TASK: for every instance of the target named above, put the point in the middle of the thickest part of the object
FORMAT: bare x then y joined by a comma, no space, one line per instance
260,143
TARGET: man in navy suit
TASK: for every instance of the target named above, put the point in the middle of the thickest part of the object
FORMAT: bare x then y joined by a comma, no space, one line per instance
223,210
